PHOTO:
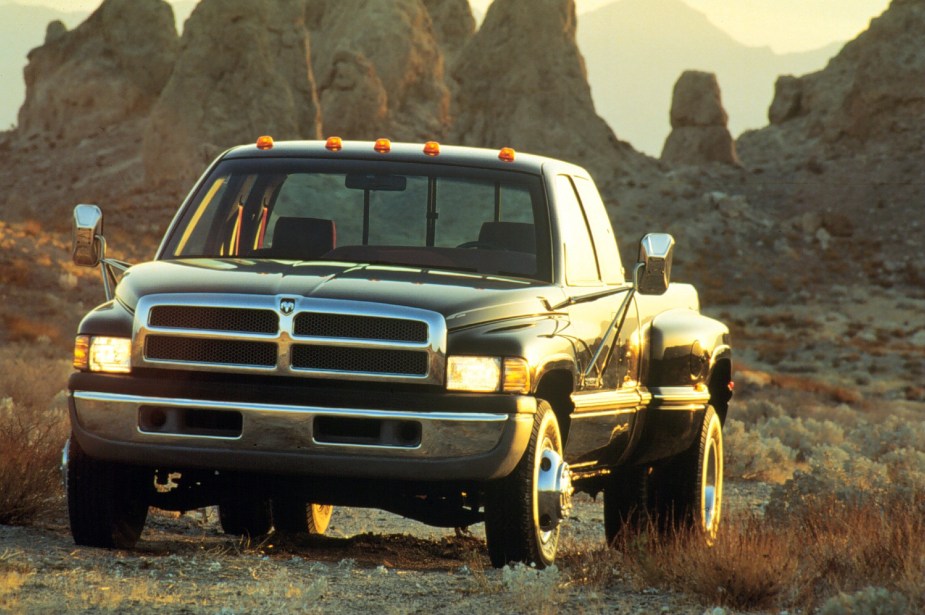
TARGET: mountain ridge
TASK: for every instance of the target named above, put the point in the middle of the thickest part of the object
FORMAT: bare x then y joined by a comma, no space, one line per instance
641,119
632,87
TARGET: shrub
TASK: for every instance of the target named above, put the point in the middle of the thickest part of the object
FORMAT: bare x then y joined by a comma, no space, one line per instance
33,429
803,435
868,601
749,566
750,456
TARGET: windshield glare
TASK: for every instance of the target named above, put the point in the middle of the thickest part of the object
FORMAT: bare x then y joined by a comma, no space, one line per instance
428,216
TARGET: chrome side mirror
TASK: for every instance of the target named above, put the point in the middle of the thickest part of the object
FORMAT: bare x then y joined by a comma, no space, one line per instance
87,250
653,269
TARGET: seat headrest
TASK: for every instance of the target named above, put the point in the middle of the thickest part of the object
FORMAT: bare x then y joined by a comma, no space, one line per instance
515,236
303,238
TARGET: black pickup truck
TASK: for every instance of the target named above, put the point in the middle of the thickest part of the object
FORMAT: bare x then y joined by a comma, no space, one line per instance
446,333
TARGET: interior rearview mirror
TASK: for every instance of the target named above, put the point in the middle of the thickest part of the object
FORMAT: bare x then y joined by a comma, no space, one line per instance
87,250
653,269
368,181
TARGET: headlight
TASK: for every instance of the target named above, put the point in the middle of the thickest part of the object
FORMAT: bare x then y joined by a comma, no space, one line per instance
103,354
487,374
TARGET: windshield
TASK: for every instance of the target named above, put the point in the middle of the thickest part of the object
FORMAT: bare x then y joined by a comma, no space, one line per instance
428,216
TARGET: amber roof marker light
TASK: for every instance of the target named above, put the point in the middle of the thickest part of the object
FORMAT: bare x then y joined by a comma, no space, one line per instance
506,154
383,146
432,148
334,144
265,142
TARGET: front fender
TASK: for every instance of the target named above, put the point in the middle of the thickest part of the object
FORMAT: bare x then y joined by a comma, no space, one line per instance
111,319
536,339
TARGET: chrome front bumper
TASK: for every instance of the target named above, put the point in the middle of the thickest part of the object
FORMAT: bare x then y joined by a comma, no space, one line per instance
299,439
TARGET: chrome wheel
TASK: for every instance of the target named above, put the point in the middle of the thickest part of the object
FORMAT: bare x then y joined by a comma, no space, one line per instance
523,511
710,498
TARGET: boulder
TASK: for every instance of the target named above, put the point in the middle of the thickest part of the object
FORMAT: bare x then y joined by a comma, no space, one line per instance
108,70
788,92
243,71
393,46
699,134
521,83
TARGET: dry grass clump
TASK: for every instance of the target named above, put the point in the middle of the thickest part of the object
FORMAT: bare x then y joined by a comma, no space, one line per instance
749,567
33,429
844,533
801,561
13,575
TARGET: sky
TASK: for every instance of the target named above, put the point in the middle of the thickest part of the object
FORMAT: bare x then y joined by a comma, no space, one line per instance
782,25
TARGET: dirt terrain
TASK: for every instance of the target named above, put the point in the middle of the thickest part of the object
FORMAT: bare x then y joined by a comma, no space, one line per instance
369,561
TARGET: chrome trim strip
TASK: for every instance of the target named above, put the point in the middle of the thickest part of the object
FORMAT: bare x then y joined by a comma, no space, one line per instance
289,428
172,402
679,398
606,402
285,339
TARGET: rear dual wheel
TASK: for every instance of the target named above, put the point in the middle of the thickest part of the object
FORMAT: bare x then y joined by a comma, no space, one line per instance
249,515
695,485
296,516
686,493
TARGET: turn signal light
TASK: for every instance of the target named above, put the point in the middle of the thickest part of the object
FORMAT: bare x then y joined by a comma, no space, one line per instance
432,148
82,352
334,144
506,154
383,146
265,142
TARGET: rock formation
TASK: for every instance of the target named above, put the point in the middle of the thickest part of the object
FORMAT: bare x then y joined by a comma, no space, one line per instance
846,143
871,91
244,70
108,70
379,68
522,83
698,123
355,101
453,24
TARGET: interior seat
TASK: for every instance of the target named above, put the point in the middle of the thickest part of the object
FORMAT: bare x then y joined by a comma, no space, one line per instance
514,236
302,238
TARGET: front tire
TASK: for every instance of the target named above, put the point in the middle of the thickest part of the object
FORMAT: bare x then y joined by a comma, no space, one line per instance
106,502
514,521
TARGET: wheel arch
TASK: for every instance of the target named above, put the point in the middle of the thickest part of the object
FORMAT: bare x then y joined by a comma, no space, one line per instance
720,385
556,386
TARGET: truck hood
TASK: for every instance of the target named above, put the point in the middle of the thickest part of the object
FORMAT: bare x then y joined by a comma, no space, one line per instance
464,299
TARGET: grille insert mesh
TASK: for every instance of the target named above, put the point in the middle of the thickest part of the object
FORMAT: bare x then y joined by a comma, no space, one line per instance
320,324
370,360
228,352
214,319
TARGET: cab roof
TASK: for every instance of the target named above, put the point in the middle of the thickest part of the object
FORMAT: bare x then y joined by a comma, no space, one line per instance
385,150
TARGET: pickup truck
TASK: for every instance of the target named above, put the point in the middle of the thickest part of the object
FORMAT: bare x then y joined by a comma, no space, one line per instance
446,333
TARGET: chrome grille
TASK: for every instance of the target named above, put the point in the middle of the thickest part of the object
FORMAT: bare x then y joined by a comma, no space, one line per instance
369,360
290,336
320,324
214,318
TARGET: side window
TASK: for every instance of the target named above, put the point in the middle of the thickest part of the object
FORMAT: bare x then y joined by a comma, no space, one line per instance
601,230
580,261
